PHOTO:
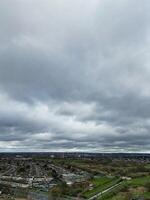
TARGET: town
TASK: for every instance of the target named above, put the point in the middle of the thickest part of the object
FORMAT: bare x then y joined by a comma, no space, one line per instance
48,176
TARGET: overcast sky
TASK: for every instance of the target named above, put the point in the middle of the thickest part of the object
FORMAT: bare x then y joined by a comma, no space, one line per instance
75,75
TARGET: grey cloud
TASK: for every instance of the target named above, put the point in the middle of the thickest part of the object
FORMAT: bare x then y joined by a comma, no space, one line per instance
74,75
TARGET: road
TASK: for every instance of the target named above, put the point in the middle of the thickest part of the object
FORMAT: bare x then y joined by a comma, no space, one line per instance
104,191
38,171
38,196
10,170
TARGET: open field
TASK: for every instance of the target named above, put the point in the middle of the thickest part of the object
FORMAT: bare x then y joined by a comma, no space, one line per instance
131,189
100,184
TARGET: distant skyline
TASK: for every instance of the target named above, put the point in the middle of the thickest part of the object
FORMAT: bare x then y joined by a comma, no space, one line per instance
75,75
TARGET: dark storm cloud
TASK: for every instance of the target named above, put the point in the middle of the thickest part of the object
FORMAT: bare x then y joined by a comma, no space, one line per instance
74,75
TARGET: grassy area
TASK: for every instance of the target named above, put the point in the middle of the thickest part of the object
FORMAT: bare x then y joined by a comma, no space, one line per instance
134,188
147,166
100,184
147,195
115,191
141,181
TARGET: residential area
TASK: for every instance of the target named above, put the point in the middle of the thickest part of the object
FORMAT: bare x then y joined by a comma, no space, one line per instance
75,176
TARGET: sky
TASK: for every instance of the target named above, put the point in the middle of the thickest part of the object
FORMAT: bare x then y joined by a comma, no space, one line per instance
75,75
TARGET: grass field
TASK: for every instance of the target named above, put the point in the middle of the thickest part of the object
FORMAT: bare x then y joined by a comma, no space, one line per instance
114,192
99,184
141,181
134,188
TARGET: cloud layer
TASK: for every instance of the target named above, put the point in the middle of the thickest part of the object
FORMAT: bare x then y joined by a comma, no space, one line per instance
75,75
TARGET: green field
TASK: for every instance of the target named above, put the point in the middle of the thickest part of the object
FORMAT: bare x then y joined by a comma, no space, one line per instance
133,189
100,184
111,195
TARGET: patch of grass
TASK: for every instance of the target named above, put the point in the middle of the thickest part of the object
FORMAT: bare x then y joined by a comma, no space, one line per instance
99,185
141,181
146,195
136,187
115,193
147,166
